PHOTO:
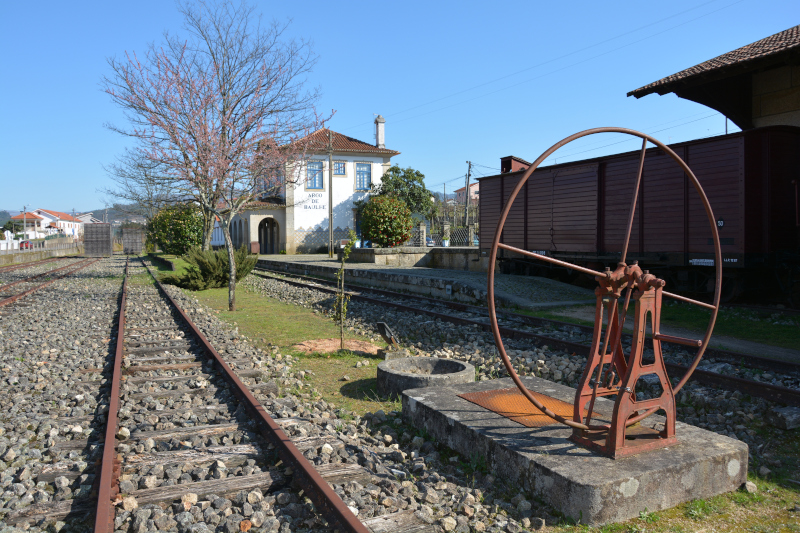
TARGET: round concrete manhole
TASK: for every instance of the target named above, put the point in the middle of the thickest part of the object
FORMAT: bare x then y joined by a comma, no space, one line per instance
397,375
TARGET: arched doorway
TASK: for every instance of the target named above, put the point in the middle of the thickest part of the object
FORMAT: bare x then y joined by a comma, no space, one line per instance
268,236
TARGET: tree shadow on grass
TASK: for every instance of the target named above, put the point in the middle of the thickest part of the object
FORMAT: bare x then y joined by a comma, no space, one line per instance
366,389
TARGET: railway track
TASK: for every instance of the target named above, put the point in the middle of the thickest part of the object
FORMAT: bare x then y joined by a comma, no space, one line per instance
10,268
12,291
560,335
194,441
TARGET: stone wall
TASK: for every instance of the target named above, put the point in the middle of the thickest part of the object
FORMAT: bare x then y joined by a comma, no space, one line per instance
452,258
30,257
309,241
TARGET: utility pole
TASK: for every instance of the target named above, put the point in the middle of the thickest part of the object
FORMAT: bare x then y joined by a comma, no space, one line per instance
445,202
24,221
330,194
466,195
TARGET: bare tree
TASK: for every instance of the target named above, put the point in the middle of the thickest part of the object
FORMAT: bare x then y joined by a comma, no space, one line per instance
221,112
140,187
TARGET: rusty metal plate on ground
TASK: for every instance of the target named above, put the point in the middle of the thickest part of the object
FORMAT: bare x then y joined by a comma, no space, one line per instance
510,403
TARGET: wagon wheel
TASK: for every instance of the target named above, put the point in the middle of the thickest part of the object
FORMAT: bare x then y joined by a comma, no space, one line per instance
496,244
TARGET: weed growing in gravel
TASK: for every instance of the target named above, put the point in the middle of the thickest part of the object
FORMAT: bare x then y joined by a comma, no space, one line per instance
647,516
699,509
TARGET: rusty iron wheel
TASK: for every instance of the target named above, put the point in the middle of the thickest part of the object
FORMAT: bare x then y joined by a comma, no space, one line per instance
496,244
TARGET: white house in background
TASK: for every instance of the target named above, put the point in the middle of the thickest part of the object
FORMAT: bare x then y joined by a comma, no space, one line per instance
58,222
33,224
297,220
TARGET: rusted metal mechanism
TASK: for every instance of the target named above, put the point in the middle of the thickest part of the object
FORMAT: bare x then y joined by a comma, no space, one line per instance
608,371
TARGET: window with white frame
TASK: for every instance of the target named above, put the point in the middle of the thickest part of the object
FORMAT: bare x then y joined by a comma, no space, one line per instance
363,176
314,175
339,168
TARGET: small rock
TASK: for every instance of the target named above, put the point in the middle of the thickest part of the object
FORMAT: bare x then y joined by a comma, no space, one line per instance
189,499
344,378
253,498
537,523
513,527
764,471
785,417
245,525
431,496
448,523
750,487
129,503
123,433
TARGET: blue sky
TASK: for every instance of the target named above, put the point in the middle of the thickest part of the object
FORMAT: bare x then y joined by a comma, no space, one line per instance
456,81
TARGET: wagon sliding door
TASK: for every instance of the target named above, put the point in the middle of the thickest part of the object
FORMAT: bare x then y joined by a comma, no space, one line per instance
663,199
575,209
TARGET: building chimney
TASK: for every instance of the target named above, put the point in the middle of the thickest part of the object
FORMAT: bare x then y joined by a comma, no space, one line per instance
512,163
380,140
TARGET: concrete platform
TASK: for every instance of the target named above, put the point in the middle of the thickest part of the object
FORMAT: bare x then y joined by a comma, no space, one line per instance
581,484
463,286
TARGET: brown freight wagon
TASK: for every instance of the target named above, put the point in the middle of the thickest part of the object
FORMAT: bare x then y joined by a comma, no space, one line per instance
577,212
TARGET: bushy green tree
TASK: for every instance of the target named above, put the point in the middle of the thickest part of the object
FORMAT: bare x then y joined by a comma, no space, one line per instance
176,229
386,221
211,269
408,185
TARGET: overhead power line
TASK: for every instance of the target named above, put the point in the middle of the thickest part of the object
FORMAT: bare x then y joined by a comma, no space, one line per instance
554,60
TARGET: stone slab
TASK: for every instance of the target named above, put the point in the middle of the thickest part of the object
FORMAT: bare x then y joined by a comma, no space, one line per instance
580,483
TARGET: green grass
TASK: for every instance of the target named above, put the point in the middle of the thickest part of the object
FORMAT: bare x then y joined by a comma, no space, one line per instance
267,321
163,266
744,324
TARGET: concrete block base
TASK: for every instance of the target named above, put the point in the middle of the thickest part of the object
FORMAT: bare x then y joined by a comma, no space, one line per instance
581,484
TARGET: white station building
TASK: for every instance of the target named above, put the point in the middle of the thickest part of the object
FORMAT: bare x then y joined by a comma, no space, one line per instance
297,221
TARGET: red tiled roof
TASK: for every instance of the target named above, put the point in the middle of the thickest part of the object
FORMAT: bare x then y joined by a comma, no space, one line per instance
27,216
784,41
60,215
318,142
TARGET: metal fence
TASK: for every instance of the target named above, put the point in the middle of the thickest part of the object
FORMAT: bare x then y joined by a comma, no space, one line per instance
34,246
447,236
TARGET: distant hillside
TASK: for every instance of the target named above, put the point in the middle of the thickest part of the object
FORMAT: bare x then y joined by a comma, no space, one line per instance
119,212
5,216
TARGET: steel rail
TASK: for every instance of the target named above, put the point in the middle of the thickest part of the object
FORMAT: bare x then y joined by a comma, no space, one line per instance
754,388
325,500
748,360
35,276
109,466
10,268
12,299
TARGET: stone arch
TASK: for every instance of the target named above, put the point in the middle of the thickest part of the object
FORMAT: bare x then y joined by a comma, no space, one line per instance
268,236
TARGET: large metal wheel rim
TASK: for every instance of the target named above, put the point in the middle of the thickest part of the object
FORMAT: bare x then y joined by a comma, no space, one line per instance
496,241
